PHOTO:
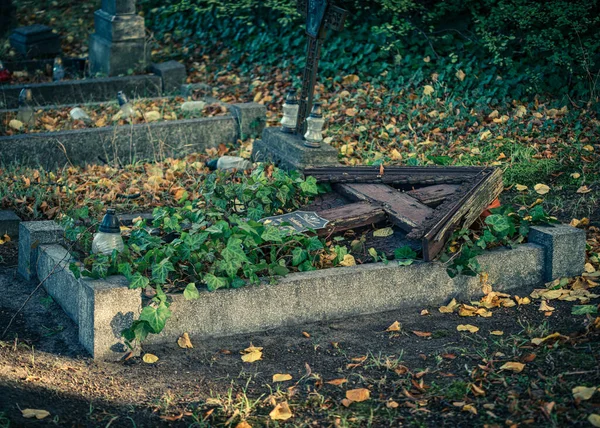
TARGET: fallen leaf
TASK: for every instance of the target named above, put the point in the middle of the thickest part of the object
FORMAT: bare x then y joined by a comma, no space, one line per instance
306,334
351,112
350,79
588,267
583,392
588,148
425,312
35,413
575,175
477,390
461,75
539,340
428,90
346,402
422,333
541,189
337,382
594,419
383,233
450,307
469,408
521,188
391,404
584,189
523,301
529,358
544,307
513,366
185,342
497,332
358,395
467,327
394,327
243,424
16,124
150,358
279,377
152,116
281,412
251,354
348,260
485,135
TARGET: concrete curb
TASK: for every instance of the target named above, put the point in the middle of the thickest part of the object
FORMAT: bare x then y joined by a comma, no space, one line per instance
83,91
133,142
104,307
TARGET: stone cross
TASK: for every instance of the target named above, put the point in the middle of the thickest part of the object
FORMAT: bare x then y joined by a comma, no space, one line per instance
320,15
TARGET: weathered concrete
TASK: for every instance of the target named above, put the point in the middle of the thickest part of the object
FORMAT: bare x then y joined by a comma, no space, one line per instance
35,41
9,224
251,119
172,73
53,263
289,152
564,249
32,234
128,143
83,91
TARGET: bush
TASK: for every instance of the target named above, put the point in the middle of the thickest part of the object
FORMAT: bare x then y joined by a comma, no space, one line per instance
508,49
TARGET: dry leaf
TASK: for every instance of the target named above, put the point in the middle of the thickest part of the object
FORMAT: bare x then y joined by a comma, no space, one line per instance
279,377
467,327
541,189
351,112
428,90
348,260
281,412
469,408
544,307
422,333
346,402
584,189
350,79
450,307
35,413
358,395
337,382
583,392
588,266
150,358
594,419
425,312
461,75
477,390
251,354
383,233
243,424
497,332
513,366
391,404
539,340
394,327
521,188
185,342
16,124
523,301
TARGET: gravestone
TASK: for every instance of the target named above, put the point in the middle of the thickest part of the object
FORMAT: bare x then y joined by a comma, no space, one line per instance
288,151
119,44
35,41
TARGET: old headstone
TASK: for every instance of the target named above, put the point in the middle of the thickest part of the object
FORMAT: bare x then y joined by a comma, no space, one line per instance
288,150
172,73
119,44
35,41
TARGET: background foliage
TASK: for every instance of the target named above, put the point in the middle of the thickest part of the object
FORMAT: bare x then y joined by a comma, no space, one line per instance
515,49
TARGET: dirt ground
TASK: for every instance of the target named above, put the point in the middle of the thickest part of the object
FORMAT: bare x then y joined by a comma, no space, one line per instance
449,378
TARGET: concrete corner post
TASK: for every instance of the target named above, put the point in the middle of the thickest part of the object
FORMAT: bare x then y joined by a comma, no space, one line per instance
9,224
172,74
32,234
250,118
564,250
119,43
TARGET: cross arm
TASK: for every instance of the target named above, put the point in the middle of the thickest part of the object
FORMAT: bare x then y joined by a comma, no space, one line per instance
335,16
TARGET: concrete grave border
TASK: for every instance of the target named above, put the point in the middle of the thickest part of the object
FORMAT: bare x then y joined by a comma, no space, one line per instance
102,308
128,143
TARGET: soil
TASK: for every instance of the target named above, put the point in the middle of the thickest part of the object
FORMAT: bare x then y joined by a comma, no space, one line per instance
42,366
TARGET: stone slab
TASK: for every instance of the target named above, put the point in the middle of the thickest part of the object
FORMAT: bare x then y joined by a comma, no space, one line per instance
35,41
83,91
250,117
564,250
32,234
114,58
172,73
9,224
129,143
289,152
118,7
53,264
118,28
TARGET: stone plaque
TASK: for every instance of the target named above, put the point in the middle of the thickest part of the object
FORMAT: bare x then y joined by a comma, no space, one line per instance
297,221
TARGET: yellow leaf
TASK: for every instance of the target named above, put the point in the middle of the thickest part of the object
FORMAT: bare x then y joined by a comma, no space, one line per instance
348,260
588,148
337,382
497,332
544,307
257,97
252,356
185,342
541,189
358,395
383,233
425,312
521,111
588,266
539,340
523,301
346,402
243,424
281,412
594,419
521,188
584,189
450,307
394,327
346,150
150,358
350,79
461,75
391,404
395,155
575,175
583,392
35,413
552,294
469,408
513,366
467,327
351,112
485,135
152,116
279,377
428,90
16,124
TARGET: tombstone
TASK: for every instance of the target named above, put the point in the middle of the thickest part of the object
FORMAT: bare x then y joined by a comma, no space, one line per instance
288,150
119,44
35,41
8,19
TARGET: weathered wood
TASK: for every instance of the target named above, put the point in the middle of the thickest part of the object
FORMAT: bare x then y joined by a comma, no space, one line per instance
351,216
432,196
463,213
405,211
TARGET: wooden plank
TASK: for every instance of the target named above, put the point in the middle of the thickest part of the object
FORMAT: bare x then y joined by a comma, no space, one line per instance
351,216
432,196
405,211
463,213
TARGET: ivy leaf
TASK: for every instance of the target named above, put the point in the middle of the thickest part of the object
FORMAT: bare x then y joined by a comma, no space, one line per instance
405,253
298,256
156,317
280,270
191,292
314,244
195,241
272,234
160,271
125,269
214,282
138,281
74,267
309,186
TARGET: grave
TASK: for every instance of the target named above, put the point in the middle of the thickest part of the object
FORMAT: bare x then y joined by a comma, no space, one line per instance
35,41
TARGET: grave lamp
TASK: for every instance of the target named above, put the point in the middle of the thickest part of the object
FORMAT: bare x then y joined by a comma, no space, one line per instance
108,237
290,113
314,126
